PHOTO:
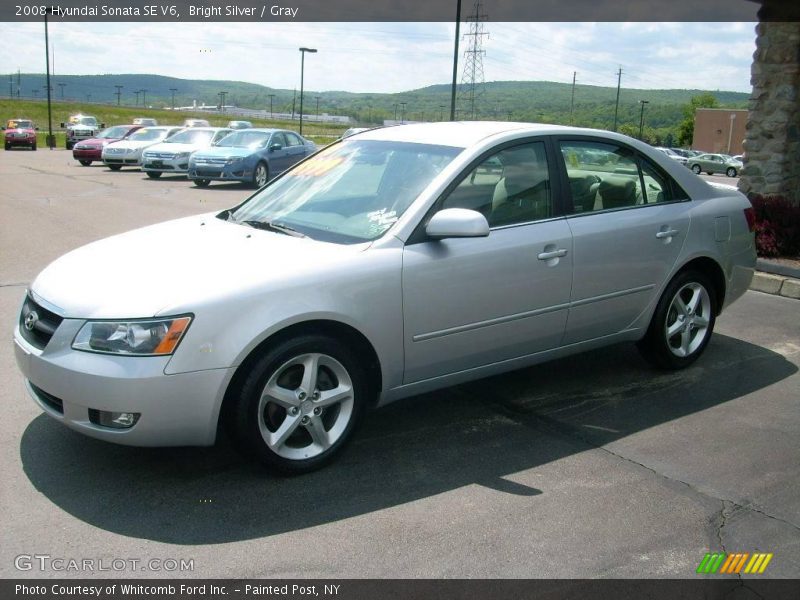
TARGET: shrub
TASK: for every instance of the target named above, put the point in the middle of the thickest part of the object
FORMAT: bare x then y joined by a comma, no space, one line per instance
777,226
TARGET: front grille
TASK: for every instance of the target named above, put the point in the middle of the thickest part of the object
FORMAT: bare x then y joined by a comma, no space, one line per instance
161,155
207,173
160,166
56,404
116,150
37,324
210,161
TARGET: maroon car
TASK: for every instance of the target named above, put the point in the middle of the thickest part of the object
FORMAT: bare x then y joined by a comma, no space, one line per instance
20,132
88,150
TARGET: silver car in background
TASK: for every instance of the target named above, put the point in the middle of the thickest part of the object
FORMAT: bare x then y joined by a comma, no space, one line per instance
715,163
128,152
395,262
172,155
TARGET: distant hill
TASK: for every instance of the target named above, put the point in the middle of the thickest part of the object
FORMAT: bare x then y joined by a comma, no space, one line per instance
543,101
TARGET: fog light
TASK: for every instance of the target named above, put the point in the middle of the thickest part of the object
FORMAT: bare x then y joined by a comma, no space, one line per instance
114,420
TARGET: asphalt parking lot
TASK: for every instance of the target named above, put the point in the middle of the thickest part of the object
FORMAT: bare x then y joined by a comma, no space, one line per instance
591,466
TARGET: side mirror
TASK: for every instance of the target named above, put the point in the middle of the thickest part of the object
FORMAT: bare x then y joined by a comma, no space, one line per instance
36,129
457,223
102,125
275,147
62,125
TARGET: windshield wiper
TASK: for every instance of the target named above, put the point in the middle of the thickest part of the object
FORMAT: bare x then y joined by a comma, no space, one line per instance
272,226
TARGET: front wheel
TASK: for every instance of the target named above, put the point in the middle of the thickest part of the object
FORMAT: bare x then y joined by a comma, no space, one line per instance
114,167
201,182
696,169
85,163
153,174
731,172
260,175
68,146
682,323
33,147
299,404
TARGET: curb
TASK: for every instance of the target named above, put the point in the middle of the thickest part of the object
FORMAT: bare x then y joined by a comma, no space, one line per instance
778,285
775,268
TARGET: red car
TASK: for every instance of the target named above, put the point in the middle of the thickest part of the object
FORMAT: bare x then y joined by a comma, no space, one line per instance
88,150
20,132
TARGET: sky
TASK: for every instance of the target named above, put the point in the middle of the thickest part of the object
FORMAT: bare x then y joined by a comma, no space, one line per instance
393,57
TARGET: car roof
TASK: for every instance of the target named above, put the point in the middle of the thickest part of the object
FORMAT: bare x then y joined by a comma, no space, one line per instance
203,128
459,134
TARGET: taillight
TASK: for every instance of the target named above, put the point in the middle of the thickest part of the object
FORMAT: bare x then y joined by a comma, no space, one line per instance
750,215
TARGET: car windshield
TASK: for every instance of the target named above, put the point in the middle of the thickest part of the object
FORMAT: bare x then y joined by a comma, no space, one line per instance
114,132
348,193
148,135
191,137
89,121
19,125
245,139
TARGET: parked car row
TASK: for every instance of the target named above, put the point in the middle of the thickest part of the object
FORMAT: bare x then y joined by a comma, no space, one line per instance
203,154
700,162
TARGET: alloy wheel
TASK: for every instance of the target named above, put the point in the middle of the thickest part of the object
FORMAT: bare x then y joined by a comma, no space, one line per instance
688,319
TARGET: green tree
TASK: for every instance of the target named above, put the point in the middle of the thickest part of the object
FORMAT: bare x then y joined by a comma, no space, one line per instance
686,129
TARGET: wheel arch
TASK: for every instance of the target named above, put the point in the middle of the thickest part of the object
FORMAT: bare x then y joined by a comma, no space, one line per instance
711,269
335,329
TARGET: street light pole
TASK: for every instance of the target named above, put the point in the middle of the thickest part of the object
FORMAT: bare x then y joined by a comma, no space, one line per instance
51,142
730,132
173,90
641,117
302,69
271,96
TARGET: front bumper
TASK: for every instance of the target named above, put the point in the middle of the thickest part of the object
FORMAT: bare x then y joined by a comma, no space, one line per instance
126,160
220,172
177,166
21,141
87,153
176,410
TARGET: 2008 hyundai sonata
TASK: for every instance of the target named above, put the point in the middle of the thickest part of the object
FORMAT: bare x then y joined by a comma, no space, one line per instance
393,262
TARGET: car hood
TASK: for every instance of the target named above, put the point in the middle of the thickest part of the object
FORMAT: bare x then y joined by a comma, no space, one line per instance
21,130
224,152
131,144
176,148
179,266
98,141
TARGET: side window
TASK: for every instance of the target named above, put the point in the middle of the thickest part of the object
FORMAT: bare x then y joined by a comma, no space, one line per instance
278,138
221,134
293,140
605,176
511,186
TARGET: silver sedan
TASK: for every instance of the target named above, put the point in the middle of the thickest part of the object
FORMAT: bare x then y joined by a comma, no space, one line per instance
391,263
715,163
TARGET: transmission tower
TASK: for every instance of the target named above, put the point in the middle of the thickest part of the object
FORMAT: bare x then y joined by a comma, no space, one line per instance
472,80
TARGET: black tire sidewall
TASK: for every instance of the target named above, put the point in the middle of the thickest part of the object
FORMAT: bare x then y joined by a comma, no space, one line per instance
654,345
243,416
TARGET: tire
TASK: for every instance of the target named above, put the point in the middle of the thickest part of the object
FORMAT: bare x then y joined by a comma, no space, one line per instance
114,167
202,182
153,174
291,432
260,175
85,163
696,169
731,172
33,147
68,145
8,146
682,323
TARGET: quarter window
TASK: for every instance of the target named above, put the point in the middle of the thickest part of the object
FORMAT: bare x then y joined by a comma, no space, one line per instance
511,186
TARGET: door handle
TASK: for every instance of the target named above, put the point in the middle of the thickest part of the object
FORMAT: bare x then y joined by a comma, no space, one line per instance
552,254
667,233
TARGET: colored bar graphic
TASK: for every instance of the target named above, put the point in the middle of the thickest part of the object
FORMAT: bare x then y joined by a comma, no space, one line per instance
732,563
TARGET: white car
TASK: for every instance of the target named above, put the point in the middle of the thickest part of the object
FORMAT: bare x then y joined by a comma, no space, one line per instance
673,155
172,155
145,122
195,123
128,152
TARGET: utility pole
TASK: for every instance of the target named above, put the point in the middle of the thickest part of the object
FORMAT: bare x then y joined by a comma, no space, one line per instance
302,71
61,85
137,92
144,98
616,106
441,112
10,85
641,118
455,65
317,99
271,96
222,101
572,102
173,90
403,112
395,111
118,92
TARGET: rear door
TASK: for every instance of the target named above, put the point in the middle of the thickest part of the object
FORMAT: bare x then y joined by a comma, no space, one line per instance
628,220
475,301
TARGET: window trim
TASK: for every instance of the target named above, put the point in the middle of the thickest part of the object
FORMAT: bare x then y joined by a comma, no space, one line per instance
419,236
638,156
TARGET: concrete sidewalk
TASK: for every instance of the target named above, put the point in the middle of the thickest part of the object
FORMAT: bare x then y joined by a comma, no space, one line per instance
775,278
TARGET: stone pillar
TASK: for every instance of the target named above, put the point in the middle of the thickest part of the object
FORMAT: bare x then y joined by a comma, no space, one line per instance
772,143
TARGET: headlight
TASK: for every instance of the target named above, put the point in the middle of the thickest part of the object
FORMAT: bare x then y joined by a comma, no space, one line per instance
234,160
152,337
182,155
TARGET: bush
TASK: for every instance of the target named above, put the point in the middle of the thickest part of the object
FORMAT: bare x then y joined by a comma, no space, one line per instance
777,226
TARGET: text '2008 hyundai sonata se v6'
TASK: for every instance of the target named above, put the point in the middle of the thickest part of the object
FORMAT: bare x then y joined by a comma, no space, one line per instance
393,262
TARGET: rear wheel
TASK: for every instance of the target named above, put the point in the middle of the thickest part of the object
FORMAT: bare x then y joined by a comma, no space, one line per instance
299,404
201,182
115,167
85,163
696,169
153,174
33,147
260,175
682,323
8,146
69,145
731,172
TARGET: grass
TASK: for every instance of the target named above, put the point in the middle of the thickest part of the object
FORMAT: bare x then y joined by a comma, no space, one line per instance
108,114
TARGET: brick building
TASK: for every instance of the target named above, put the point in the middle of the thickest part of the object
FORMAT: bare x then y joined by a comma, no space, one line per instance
719,130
